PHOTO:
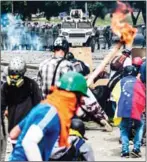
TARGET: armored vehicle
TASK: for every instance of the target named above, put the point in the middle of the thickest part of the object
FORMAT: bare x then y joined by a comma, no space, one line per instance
78,30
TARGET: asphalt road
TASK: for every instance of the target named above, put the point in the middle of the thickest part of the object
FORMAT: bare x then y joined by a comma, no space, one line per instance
105,145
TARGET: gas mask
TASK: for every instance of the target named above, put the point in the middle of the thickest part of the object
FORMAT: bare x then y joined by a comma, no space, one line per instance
15,80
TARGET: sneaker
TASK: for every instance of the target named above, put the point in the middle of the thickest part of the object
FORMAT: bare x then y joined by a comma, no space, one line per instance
106,125
125,154
136,153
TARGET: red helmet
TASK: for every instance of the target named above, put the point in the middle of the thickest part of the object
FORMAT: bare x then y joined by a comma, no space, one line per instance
137,61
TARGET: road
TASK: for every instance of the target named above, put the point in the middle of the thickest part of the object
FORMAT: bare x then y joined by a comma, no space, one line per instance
105,145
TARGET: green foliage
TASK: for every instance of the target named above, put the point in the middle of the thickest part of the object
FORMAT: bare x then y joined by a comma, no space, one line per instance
141,6
52,8
96,8
100,9
6,6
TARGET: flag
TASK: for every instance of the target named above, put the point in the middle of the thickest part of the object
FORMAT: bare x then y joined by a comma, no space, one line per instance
129,94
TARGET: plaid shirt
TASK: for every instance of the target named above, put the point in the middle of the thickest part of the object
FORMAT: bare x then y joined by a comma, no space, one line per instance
46,72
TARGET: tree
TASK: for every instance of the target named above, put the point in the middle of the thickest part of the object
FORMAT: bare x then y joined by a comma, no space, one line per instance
140,7
6,7
53,8
100,9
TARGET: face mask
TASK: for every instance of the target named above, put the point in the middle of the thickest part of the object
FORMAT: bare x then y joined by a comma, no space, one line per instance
15,81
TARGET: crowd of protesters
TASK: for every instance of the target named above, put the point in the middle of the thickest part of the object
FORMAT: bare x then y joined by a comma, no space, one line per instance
45,117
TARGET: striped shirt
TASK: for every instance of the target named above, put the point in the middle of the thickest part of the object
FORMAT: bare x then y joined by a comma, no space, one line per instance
46,72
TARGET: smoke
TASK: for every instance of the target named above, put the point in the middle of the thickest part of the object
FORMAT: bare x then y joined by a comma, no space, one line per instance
18,35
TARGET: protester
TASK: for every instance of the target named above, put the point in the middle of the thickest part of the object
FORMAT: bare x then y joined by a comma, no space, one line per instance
4,75
78,65
49,120
143,79
119,62
143,72
79,150
129,94
19,93
53,68
90,109
137,62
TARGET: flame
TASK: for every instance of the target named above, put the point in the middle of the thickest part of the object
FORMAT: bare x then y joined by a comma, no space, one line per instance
122,29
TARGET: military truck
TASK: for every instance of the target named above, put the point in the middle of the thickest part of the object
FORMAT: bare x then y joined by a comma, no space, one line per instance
78,30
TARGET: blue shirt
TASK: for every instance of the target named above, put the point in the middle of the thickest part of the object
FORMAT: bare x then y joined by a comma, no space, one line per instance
45,116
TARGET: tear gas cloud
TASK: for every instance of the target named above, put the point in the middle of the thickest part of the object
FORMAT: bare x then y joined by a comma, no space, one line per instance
19,35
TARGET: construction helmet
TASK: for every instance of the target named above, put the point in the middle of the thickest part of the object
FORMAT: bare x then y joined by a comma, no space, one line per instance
126,52
16,71
137,61
130,70
61,43
78,125
17,66
74,82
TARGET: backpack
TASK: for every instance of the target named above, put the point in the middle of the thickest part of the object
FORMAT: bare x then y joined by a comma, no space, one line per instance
117,62
72,154
80,67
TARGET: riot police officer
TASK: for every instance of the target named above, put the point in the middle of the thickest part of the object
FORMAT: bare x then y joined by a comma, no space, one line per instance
107,33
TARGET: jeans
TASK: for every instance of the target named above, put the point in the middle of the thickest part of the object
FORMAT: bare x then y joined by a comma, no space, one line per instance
125,127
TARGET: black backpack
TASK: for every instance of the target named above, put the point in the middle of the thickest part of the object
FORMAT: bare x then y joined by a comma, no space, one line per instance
72,154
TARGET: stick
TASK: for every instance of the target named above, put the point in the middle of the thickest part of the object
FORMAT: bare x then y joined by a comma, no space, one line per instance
101,67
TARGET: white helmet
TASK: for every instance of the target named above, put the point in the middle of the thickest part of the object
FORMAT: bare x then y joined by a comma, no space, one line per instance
17,66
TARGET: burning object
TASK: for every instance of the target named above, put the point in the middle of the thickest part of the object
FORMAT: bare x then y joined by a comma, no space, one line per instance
123,30
120,27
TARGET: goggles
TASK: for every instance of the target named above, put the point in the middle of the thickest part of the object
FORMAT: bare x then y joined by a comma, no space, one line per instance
14,76
15,80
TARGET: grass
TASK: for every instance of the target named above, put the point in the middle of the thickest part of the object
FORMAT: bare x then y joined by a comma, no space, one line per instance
55,20
99,22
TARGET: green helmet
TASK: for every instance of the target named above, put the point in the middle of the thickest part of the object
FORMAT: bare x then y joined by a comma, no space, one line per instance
74,82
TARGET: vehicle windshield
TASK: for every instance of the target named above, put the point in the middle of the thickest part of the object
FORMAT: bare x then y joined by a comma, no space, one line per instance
68,25
83,25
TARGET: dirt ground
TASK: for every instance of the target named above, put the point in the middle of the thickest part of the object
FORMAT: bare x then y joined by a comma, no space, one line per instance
105,145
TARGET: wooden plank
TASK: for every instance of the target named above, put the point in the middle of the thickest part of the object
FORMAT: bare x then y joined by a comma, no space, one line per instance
100,82
83,54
